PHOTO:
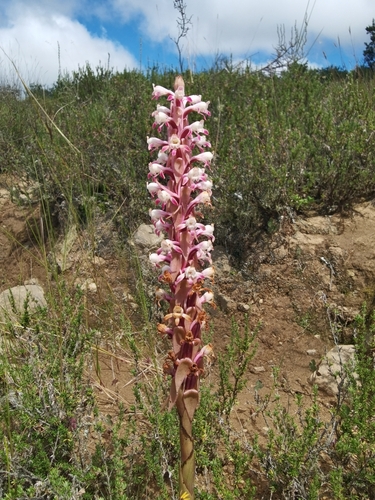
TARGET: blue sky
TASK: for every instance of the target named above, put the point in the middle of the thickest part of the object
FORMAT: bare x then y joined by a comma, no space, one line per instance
40,35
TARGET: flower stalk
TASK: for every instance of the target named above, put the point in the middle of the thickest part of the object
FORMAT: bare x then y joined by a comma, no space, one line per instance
180,185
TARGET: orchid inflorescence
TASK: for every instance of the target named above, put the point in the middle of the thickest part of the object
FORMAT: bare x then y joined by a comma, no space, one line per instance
179,183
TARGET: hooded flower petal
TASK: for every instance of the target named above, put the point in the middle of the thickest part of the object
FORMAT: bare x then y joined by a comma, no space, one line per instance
200,107
155,143
159,91
156,259
157,214
205,157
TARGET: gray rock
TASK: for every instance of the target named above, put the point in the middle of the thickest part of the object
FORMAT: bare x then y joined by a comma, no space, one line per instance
257,369
221,262
331,372
317,225
311,352
243,307
86,285
145,237
17,296
281,252
225,303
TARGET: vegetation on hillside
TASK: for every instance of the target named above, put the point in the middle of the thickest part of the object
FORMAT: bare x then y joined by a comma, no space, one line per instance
295,141
301,140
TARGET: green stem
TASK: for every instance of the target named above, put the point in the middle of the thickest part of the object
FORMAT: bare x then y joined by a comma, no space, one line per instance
187,463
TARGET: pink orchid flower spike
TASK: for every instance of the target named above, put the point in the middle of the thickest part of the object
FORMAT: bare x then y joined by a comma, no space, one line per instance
179,186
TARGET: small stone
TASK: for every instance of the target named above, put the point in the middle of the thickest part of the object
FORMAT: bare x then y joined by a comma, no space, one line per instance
87,285
311,352
243,307
92,287
260,301
281,252
257,369
32,281
98,261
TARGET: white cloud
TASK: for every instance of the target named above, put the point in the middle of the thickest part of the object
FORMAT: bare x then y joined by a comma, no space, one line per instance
31,30
41,41
247,27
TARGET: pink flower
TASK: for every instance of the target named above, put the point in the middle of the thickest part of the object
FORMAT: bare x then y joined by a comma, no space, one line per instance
193,99
162,157
167,246
204,186
201,142
192,275
157,214
208,273
197,174
200,107
164,197
153,188
157,169
161,225
203,157
161,294
206,230
161,109
163,193
156,259
174,143
159,91
198,127
155,143
162,116
203,198
202,250
208,298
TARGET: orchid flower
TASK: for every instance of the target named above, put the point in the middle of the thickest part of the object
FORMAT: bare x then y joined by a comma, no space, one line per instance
158,214
156,259
193,99
201,142
207,230
159,91
179,186
157,169
204,186
154,143
167,246
197,174
200,107
203,157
